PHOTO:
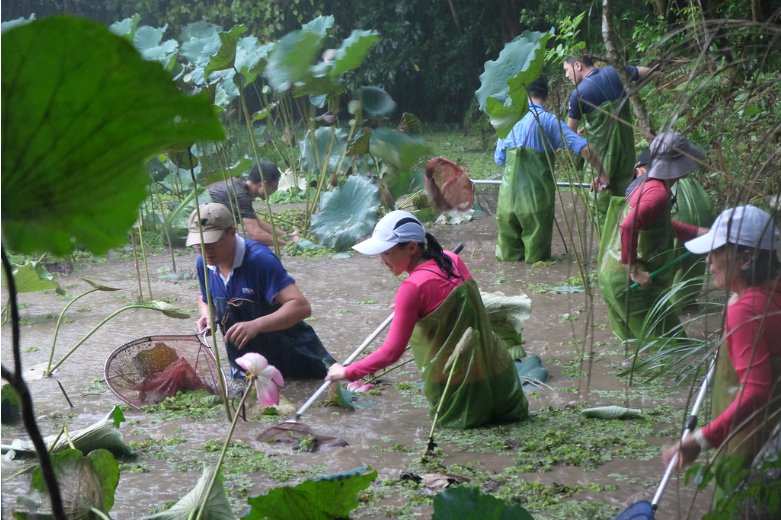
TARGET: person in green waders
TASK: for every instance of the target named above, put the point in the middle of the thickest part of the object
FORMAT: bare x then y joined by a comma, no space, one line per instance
638,240
526,203
435,307
599,100
742,249
692,206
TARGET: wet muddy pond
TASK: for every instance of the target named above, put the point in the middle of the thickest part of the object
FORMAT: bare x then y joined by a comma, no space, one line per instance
557,464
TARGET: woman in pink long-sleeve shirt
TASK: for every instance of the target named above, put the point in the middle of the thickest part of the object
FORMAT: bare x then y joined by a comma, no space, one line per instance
742,258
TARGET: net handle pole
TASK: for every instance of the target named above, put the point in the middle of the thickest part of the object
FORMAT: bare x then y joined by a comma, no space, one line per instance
691,424
560,184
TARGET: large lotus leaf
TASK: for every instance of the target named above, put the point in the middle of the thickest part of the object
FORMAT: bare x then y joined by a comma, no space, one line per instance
353,51
375,102
402,154
148,41
349,212
291,58
502,93
127,27
324,498
226,55
319,25
103,435
82,112
31,277
85,483
314,154
197,30
467,503
199,52
251,59
216,505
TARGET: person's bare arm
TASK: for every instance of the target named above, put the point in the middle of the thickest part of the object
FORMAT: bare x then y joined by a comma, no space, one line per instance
254,227
573,124
294,308
643,72
591,156
203,312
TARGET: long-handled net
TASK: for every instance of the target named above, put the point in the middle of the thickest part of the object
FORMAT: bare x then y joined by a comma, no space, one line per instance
147,370
448,185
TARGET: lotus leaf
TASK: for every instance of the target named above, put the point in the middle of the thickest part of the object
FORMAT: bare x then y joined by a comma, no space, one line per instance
215,506
291,58
311,161
611,412
148,41
531,371
197,30
502,92
353,51
403,154
103,435
11,406
375,102
225,57
85,483
349,212
507,314
328,497
467,503
31,277
127,27
82,112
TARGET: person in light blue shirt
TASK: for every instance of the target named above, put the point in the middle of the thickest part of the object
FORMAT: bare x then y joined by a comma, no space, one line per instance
525,207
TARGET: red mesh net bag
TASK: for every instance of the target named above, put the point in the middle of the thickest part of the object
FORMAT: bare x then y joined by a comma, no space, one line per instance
448,186
148,370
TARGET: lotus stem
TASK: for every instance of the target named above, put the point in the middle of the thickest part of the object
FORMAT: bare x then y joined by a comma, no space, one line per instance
135,258
57,327
225,446
143,255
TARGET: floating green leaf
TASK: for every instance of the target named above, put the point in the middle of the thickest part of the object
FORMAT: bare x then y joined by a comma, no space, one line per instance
467,503
215,506
81,108
324,498
349,212
611,412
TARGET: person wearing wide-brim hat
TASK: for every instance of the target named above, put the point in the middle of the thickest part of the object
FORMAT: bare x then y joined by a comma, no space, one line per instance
469,377
742,249
638,239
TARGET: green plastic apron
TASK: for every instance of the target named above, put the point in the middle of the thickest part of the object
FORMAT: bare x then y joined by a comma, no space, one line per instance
614,141
525,207
694,207
746,442
485,387
628,310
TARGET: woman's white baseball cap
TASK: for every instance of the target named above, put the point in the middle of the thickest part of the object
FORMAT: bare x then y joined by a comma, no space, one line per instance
394,228
744,225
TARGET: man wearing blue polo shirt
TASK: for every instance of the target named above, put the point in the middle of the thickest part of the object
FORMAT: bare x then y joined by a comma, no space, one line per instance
600,101
526,203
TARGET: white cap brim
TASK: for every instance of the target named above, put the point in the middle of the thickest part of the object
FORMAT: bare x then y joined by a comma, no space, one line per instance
373,246
706,243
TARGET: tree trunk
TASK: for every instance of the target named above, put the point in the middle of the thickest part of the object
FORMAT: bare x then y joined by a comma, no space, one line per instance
608,35
509,15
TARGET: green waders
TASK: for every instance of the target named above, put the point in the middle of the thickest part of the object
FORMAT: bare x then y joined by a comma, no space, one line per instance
628,310
525,207
745,443
694,207
485,387
614,141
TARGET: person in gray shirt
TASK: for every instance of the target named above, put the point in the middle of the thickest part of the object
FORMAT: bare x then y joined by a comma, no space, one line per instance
236,190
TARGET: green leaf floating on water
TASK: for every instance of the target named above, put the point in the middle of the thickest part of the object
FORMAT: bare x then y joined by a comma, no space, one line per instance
82,112
323,498
216,505
467,503
85,483
611,412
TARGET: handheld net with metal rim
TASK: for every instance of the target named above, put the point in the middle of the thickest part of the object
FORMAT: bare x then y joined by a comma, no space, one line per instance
147,370
448,185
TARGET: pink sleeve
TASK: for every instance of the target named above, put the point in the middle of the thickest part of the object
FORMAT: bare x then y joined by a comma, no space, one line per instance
685,231
750,356
406,315
648,204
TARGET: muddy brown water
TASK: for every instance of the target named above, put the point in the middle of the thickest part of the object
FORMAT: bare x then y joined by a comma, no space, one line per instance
338,290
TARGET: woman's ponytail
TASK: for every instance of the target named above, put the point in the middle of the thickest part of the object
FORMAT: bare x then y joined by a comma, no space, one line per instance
433,251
